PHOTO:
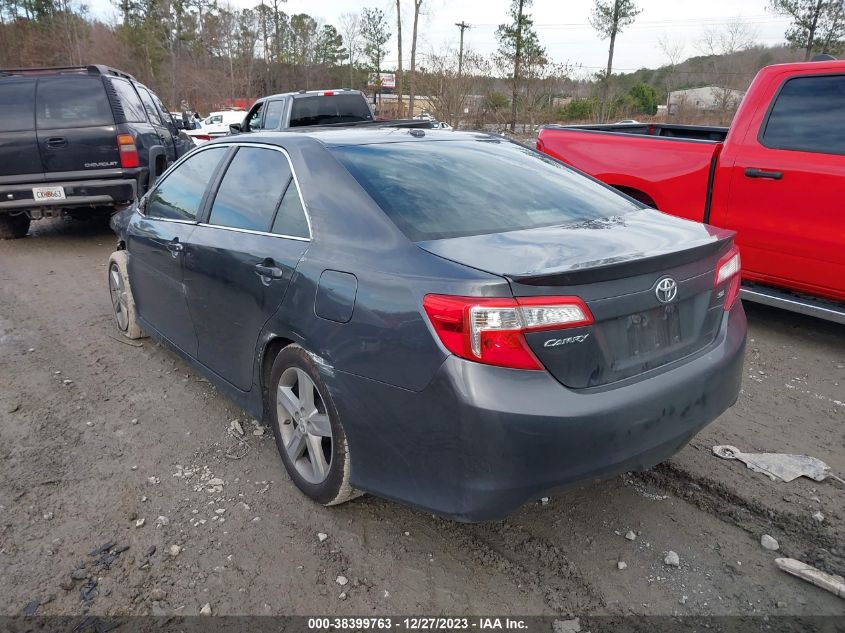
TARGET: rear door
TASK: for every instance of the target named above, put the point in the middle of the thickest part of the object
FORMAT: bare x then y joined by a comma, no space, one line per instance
76,129
240,260
787,187
19,156
157,242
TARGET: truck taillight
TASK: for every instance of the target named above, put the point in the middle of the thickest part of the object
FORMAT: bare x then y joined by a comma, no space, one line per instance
491,331
728,276
128,151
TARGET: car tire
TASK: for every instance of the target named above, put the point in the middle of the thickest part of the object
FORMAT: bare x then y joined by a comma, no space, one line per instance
123,303
317,464
13,226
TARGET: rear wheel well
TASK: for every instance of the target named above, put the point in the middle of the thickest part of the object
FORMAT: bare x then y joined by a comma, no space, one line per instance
636,194
271,350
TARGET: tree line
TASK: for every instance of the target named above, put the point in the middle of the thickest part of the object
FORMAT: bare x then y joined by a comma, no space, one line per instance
207,53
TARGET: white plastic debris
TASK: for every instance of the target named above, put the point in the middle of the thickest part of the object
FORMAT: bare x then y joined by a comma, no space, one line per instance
779,466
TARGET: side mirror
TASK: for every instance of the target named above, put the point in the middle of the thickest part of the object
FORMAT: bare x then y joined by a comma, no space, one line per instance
234,128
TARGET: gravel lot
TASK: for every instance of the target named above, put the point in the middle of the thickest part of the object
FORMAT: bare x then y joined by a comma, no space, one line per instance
108,441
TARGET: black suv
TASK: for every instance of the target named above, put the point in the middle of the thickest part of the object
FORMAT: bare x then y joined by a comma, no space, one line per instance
78,140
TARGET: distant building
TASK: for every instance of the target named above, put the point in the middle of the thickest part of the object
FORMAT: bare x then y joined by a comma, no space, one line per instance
706,98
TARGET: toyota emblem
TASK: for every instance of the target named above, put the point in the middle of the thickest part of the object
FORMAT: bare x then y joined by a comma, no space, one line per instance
666,290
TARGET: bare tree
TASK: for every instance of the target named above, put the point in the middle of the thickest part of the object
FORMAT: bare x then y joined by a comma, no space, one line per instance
817,25
417,6
449,91
609,18
673,50
350,30
399,66
721,46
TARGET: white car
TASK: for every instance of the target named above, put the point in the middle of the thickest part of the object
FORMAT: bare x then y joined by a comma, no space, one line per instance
216,124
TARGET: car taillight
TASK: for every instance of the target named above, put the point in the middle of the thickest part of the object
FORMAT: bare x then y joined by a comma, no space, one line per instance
128,151
728,273
491,331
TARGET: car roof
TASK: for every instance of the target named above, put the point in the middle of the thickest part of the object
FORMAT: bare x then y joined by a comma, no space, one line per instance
310,93
363,135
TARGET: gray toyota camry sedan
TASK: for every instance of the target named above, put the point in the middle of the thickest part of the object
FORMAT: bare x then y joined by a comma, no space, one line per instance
446,319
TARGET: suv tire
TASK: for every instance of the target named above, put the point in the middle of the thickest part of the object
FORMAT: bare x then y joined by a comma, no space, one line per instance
13,226
320,465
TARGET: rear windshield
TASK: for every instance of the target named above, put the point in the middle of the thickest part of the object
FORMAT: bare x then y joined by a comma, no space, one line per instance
72,101
440,189
339,108
17,104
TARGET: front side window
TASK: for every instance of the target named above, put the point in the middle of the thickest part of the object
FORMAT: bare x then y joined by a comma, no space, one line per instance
251,189
180,194
218,118
254,121
809,116
72,101
474,187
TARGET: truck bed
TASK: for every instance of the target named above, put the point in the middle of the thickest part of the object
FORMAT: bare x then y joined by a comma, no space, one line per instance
668,167
688,132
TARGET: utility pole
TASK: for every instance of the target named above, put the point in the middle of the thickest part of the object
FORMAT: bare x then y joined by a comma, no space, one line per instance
463,26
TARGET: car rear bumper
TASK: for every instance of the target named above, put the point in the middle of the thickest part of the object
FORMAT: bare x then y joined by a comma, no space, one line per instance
479,441
79,193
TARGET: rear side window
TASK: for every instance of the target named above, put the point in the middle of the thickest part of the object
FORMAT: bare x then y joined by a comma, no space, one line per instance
72,101
149,105
17,104
132,106
180,195
273,116
251,189
290,219
440,189
808,115
339,108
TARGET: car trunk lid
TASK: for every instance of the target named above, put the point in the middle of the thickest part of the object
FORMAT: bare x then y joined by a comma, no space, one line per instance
616,265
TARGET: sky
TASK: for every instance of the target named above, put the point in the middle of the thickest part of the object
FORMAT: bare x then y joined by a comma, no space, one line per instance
562,26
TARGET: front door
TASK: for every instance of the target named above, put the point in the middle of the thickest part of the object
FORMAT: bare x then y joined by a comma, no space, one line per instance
240,260
157,240
787,188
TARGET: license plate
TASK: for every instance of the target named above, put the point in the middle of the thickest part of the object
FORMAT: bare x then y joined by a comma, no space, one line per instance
48,193
654,331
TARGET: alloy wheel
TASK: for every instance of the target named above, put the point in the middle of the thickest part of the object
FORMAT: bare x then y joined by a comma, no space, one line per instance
118,298
305,425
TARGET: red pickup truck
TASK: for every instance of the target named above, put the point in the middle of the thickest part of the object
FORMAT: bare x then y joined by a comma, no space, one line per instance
776,177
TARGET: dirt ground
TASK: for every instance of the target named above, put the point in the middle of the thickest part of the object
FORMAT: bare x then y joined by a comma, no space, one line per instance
112,445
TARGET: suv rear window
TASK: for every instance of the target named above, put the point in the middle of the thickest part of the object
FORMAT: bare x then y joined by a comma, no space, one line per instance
72,101
440,189
339,108
17,104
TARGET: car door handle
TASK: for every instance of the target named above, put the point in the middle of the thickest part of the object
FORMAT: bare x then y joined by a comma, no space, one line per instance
57,141
754,172
175,247
273,272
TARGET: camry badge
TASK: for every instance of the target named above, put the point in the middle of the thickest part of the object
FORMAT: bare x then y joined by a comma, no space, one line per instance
666,290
